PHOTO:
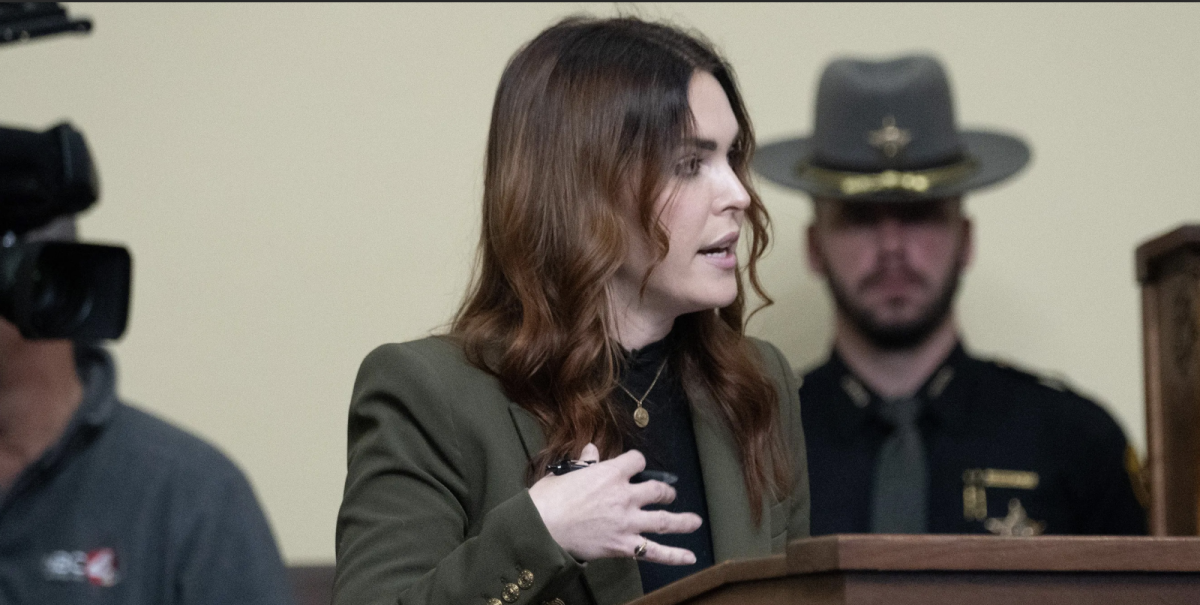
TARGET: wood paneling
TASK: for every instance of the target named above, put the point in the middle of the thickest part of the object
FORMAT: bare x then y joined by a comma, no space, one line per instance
1168,268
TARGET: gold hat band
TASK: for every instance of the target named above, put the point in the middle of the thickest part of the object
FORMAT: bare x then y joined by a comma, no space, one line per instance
858,183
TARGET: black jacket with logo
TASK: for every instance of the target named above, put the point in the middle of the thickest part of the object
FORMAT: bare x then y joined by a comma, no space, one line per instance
127,509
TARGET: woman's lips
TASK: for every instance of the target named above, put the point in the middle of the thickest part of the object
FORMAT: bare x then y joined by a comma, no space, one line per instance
723,254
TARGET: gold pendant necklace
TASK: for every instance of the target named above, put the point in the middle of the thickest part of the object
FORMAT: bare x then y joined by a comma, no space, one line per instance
640,416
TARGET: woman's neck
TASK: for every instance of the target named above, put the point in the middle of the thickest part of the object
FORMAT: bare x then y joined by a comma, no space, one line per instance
635,325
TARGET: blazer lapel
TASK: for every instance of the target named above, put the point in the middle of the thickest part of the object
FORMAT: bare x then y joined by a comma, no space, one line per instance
734,533
532,438
610,581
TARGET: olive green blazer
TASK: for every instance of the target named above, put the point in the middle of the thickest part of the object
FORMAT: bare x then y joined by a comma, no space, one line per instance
436,509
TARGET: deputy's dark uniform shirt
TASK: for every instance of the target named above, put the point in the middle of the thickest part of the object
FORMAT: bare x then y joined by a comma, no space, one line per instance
126,509
1008,451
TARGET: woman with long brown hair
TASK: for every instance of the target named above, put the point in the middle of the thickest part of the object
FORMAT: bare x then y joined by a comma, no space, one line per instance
603,334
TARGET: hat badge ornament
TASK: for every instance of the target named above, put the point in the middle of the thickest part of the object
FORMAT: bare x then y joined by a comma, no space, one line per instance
886,131
889,139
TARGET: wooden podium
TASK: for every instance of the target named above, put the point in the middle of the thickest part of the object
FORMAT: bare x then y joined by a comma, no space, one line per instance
935,569
1168,269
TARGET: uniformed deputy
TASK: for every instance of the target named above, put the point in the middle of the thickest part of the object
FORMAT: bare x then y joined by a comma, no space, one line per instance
906,432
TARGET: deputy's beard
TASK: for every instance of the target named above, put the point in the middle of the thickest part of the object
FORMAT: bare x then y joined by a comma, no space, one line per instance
898,336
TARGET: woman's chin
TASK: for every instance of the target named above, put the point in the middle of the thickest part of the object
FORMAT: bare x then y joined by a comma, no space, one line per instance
715,298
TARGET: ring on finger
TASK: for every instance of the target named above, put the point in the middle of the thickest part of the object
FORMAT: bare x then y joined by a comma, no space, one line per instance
641,549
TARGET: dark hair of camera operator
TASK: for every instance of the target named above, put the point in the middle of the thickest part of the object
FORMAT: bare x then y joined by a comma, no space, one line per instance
102,502
605,326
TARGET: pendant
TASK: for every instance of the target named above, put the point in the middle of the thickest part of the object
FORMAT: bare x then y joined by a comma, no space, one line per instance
641,417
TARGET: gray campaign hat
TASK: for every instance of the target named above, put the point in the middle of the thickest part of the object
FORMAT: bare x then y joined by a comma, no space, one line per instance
886,130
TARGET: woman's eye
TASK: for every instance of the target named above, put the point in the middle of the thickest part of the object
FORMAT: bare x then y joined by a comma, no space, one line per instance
688,166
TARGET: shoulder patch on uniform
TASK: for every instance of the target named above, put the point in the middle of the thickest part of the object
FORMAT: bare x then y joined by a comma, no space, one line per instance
1133,466
1054,383
1058,382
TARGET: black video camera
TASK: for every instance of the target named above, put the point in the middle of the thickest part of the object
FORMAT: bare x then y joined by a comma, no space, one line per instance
55,289
23,21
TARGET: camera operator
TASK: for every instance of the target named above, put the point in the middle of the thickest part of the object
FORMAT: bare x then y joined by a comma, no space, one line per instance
100,502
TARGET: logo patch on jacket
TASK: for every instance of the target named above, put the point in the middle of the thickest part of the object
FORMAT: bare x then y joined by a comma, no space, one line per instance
97,567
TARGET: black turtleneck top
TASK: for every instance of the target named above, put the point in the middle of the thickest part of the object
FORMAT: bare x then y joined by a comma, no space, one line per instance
669,444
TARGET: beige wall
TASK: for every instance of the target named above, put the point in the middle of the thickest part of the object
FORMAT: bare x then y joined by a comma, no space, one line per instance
300,183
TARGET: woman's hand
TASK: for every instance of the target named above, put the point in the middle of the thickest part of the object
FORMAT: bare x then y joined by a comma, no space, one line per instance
596,513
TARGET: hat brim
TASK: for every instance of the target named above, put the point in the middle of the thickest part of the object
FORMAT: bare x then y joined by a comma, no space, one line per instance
997,156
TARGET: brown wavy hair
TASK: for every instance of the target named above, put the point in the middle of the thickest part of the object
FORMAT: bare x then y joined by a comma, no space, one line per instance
586,126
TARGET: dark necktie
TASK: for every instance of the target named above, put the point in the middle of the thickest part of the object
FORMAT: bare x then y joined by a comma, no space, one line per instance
901,472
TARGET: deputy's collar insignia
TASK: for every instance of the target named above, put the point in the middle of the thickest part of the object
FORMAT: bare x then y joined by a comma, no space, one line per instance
940,380
1016,524
857,392
889,139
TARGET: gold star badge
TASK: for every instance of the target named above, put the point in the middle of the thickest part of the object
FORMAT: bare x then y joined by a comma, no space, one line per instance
889,139
1016,524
